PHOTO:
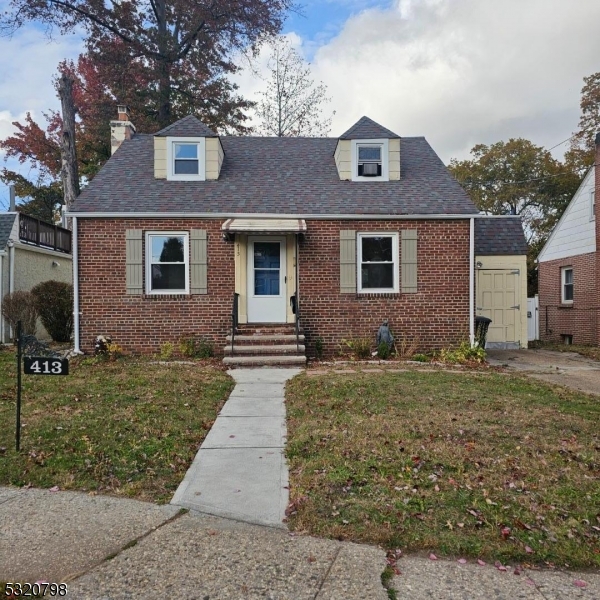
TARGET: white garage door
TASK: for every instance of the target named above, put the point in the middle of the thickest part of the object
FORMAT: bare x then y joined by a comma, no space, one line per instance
498,296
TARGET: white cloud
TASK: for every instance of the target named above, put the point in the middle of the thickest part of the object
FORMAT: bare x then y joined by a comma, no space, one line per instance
28,62
461,72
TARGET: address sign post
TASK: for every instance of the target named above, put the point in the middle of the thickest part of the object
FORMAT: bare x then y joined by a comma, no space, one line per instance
34,365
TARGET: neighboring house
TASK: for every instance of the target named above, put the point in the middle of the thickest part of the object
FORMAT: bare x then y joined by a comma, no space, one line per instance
180,226
568,269
501,282
31,251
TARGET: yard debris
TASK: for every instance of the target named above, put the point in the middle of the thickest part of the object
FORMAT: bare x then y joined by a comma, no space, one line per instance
433,556
580,583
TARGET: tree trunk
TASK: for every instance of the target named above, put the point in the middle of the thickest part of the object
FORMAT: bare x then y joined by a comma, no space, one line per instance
164,75
69,171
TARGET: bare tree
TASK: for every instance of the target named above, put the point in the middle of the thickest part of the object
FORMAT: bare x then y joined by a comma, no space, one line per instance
292,104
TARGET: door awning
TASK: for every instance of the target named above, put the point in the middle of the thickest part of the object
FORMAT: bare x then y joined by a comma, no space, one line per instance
265,226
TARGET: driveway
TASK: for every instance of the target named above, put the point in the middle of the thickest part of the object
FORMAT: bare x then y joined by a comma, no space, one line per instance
565,368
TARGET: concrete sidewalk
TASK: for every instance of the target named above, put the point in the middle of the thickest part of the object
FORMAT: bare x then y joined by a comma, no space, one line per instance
109,548
117,549
240,471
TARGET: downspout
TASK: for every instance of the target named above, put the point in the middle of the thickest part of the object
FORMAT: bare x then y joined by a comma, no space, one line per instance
11,271
2,255
76,349
472,281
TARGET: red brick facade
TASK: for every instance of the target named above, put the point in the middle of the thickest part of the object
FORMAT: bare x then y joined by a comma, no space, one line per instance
577,319
581,319
437,315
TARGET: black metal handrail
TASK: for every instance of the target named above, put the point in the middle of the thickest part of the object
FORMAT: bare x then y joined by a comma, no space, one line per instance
296,308
234,318
43,234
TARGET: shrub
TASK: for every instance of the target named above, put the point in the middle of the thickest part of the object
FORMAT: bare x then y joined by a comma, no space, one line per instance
20,306
406,347
166,350
319,347
463,354
359,347
383,350
54,303
105,348
196,347
420,358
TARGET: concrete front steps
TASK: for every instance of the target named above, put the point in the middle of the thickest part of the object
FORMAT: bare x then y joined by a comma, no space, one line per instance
265,345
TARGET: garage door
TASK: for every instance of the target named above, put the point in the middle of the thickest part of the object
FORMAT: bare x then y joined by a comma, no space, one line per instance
498,299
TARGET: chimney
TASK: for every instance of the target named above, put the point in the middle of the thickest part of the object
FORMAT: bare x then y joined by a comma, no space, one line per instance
11,195
120,130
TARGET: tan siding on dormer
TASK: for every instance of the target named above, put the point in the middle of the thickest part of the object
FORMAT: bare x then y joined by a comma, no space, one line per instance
221,156
160,158
394,159
214,158
342,159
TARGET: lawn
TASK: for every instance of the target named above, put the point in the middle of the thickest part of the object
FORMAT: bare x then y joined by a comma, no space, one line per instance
129,427
466,465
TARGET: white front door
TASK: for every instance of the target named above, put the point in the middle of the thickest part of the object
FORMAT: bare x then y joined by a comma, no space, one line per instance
267,302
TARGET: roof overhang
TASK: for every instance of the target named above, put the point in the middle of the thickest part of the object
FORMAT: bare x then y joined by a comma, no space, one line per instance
263,226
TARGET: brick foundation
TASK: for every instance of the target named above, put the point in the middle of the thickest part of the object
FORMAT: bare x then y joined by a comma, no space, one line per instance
436,316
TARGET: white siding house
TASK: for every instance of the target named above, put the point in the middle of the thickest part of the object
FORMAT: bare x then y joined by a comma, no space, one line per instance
575,233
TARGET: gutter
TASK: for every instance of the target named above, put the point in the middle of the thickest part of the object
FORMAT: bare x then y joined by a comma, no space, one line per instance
76,313
323,217
472,282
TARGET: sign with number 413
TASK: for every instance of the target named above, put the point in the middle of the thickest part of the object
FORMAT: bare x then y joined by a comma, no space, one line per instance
42,365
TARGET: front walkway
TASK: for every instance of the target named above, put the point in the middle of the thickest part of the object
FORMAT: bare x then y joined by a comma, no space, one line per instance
240,471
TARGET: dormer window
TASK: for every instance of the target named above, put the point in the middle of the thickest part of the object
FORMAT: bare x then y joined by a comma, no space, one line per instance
370,160
185,159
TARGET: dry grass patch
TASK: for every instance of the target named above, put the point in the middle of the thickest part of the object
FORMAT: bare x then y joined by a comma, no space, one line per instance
129,427
482,465
592,352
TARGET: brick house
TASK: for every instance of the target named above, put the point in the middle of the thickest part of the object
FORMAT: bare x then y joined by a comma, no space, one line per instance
569,268
180,226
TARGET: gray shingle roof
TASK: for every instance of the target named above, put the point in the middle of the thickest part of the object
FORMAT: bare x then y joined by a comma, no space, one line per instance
497,236
365,129
275,176
6,224
189,126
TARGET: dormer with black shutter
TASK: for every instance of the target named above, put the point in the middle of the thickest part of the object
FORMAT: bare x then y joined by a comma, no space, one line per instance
187,151
368,152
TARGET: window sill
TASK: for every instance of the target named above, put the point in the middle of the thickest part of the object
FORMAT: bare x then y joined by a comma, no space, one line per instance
167,297
564,305
368,295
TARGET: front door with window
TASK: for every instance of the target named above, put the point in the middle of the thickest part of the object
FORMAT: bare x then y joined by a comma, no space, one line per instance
267,302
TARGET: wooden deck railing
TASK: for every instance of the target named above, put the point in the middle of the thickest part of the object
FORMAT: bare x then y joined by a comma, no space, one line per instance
43,234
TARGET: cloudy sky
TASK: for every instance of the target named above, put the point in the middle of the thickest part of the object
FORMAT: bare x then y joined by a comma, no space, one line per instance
459,72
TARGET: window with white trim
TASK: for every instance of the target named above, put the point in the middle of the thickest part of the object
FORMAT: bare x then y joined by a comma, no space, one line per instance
186,159
378,269
167,263
566,285
370,160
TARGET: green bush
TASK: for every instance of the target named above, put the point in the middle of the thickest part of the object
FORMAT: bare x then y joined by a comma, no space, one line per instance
463,354
383,350
196,347
20,306
359,347
319,347
54,303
